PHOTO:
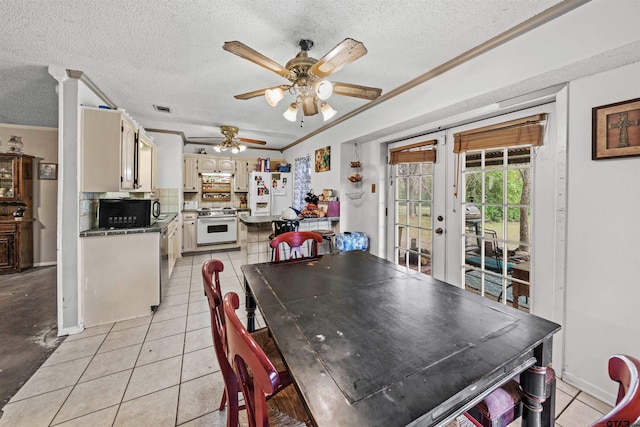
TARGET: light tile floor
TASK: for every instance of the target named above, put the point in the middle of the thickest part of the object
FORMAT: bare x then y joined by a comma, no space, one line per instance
161,370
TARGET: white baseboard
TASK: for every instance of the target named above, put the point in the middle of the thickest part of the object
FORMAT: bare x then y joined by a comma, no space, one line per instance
589,388
44,264
70,331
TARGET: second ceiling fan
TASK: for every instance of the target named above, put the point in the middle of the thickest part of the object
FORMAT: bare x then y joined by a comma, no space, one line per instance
307,76
229,141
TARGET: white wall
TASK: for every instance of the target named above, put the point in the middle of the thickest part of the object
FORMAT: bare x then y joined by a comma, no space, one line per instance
603,256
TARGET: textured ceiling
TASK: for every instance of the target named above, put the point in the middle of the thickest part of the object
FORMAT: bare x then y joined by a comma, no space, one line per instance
169,53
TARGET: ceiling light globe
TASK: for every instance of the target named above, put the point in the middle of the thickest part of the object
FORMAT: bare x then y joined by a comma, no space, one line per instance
273,96
217,149
242,147
291,112
235,150
323,89
327,111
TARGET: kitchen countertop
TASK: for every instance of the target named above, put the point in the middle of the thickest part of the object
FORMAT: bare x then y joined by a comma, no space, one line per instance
156,227
268,219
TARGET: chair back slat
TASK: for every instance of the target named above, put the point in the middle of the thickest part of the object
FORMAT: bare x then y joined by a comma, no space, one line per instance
211,279
295,240
245,356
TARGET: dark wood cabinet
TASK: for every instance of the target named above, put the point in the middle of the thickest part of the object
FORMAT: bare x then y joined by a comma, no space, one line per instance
16,194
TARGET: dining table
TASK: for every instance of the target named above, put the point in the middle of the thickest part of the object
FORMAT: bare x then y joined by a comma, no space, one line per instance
370,343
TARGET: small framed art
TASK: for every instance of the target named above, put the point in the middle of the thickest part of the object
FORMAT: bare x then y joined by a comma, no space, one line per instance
616,130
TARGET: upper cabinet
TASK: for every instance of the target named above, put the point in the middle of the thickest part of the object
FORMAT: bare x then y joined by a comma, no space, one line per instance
147,162
190,180
111,154
215,165
16,179
241,176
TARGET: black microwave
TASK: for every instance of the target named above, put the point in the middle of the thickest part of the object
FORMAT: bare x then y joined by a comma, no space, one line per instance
127,213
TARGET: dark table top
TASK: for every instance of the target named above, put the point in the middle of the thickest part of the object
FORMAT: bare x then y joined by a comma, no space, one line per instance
369,344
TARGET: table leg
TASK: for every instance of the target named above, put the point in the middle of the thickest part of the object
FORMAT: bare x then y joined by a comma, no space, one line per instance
533,387
250,303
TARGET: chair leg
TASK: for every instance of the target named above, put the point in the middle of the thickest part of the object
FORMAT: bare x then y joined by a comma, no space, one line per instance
223,401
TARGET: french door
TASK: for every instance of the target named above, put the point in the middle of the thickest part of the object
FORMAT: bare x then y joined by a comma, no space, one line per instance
417,212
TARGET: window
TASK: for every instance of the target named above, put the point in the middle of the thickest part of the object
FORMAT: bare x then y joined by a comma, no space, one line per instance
497,187
302,181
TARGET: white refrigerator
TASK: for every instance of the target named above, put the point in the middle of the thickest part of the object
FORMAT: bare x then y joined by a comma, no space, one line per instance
270,192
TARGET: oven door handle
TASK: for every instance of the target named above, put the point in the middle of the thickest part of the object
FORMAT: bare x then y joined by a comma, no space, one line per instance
218,219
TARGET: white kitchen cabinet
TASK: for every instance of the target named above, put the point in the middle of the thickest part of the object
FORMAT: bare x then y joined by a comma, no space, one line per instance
189,232
173,244
241,176
146,180
190,181
209,164
107,151
120,277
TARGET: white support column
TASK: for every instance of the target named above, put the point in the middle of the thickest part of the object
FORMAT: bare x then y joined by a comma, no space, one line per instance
69,298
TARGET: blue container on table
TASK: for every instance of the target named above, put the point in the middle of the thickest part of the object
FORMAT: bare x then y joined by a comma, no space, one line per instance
356,241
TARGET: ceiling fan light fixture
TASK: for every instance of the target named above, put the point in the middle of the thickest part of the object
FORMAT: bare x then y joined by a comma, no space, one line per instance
327,111
273,96
291,113
235,149
217,148
242,147
323,89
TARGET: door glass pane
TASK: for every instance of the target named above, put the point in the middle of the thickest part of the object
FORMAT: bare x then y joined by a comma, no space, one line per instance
425,215
414,191
426,190
493,187
401,213
401,188
497,203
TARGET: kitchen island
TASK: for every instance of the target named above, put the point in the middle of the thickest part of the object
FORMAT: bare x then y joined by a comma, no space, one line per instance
259,228
122,270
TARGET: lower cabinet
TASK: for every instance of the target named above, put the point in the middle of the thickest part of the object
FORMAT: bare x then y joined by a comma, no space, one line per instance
120,277
16,245
189,232
173,244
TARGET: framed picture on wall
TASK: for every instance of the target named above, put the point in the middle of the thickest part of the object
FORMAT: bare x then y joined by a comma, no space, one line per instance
616,130
47,171
323,159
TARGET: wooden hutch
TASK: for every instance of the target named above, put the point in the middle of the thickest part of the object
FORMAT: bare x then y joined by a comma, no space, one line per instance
16,212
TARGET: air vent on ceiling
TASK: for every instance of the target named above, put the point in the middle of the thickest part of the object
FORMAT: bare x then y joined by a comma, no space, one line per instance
162,109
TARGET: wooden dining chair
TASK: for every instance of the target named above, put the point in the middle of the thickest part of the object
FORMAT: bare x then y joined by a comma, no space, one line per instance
258,377
295,240
211,280
624,370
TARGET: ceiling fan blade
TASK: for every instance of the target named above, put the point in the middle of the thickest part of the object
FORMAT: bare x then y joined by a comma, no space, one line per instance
260,92
356,91
244,51
205,139
347,51
252,141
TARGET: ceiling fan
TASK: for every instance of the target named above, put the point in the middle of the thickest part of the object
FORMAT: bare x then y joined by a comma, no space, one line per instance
307,76
229,141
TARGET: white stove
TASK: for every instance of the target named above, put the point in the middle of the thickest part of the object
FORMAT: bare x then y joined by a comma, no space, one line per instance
217,226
